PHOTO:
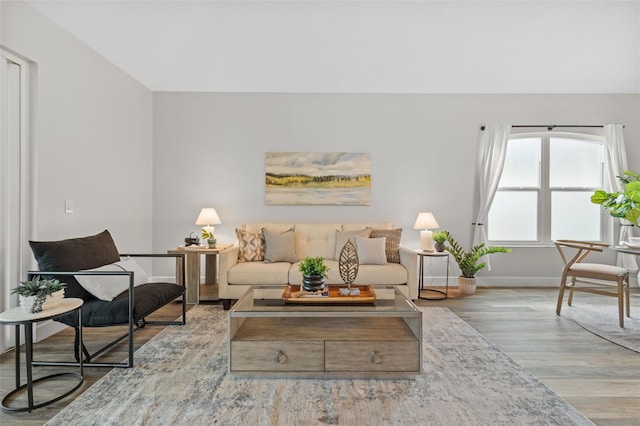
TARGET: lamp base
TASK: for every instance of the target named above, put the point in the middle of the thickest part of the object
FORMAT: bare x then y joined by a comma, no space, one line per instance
426,240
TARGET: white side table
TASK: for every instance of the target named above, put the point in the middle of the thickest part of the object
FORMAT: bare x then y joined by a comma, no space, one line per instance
17,316
440,295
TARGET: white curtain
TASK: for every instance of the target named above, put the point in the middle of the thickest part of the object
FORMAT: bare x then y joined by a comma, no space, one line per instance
615,163
492,151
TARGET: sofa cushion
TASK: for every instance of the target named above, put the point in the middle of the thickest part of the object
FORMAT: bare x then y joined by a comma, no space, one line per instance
74,254
391,274
343,236
107,287
257,273
279,247
251,246
371,251
256,228
315,240
392,246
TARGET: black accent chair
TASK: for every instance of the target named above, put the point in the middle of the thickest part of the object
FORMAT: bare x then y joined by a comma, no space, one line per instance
65,258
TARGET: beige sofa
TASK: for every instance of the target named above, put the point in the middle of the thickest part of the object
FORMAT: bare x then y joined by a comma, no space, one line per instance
312,239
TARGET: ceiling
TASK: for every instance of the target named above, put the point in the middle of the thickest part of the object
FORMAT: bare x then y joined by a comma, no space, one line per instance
364,46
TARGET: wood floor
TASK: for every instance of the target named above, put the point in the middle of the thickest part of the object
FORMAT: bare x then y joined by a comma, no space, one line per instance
599,378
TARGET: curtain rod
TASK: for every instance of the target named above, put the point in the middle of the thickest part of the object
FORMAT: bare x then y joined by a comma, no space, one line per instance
552,126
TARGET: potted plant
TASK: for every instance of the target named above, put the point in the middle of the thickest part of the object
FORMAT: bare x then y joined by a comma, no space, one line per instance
440,237
37,294
208,235
314,271
625,204
468,262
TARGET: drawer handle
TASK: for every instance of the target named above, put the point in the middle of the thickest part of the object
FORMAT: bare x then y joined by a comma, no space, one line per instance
374,357
280,357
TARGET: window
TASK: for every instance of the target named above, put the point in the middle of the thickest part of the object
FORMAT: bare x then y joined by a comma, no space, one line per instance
545,190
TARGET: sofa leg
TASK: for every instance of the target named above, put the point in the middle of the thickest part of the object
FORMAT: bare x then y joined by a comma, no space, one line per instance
226,304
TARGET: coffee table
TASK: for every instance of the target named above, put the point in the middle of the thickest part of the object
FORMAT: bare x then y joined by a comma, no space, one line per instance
271,338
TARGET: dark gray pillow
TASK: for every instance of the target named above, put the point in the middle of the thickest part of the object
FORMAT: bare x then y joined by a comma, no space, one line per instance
75,254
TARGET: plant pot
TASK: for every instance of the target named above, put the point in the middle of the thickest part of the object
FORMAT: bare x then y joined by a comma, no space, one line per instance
28,303
211,242
467,285
312,282
439,247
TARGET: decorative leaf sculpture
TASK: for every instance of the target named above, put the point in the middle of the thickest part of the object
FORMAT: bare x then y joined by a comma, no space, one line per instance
348,263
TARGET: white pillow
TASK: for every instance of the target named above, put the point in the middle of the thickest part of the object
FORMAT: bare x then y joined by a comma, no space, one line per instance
107,287
343,236
371,251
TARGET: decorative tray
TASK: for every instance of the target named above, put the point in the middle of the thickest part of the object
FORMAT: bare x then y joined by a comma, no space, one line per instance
292,294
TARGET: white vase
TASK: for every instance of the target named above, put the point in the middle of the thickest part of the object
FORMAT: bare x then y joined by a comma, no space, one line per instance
467,285
51,301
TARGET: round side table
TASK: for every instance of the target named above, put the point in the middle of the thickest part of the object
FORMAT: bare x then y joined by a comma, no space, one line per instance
17,316
439,294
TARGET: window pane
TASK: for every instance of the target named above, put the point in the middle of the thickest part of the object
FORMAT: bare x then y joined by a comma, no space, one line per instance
574,216
522,164
575,163
513,216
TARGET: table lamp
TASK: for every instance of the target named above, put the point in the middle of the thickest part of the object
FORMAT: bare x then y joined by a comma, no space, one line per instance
426,221
208,217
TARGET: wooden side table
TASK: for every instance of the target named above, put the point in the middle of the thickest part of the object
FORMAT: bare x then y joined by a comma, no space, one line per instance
440,295
192,274
17,316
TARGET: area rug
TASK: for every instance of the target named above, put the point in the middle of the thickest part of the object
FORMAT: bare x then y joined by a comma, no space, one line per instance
602,320
180,378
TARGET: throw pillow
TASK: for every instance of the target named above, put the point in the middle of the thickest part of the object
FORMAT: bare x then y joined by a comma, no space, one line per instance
74,254
279,247
251,246
343,236
107,287
371,251
392,247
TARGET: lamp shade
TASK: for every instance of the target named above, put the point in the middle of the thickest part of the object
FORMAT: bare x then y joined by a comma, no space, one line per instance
208,216
426,220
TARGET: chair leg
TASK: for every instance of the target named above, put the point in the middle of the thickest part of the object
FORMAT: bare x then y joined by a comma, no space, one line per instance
573,285
621,301
563,280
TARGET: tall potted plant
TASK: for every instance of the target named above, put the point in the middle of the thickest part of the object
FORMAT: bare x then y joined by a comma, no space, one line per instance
469,262
624,204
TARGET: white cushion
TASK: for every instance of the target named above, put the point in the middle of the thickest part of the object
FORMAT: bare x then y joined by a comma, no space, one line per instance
343,236
371,251
315,240
257,273
256,228
107,287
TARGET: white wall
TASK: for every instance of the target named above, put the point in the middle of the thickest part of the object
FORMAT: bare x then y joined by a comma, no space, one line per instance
209,151
92,129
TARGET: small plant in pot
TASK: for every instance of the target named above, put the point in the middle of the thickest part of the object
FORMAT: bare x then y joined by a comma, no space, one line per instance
440,237
208,235
468,262
38,294
314,271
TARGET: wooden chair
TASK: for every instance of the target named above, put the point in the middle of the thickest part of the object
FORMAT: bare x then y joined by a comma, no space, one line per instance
597,278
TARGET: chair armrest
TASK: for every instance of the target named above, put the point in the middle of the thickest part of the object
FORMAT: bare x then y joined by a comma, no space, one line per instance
409,260
226,259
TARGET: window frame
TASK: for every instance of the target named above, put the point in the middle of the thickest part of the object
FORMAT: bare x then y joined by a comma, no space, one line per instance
544,191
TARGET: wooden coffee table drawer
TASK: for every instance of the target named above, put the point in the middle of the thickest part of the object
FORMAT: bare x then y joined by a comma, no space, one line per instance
277,355
372,356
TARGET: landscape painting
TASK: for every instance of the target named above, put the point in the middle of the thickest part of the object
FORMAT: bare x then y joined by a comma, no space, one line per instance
335,178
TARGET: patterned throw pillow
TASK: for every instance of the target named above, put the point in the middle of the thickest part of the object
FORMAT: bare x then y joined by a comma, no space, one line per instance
251,246
392,246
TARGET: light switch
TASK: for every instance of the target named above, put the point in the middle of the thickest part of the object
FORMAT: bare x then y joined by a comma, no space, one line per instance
68,206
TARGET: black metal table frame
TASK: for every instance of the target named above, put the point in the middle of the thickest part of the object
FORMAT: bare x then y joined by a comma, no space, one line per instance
421,288
28,337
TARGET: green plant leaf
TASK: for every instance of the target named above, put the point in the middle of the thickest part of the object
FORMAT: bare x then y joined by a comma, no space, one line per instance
599,197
